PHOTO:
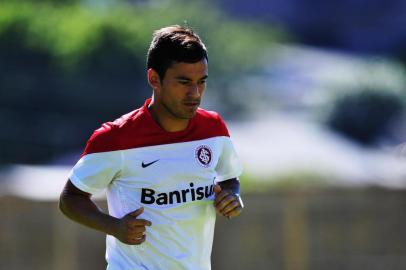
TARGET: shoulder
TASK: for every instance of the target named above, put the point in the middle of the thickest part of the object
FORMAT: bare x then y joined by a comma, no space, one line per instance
107,137
212,122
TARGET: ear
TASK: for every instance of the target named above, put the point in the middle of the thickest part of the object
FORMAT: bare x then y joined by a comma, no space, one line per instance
153,79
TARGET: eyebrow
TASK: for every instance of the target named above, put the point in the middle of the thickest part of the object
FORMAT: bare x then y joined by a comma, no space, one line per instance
183,78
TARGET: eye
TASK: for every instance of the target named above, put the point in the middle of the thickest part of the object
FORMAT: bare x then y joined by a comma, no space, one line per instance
184,82
202,82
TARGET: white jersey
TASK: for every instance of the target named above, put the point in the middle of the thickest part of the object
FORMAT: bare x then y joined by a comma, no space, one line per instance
171,175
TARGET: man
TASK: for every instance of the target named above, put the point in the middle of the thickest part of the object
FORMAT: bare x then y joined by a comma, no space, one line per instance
164,166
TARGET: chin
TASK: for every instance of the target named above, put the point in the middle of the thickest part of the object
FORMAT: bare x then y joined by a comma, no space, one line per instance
188,114
192,114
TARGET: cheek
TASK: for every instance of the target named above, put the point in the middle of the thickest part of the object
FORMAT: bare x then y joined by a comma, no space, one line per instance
168,89
202,88
173,92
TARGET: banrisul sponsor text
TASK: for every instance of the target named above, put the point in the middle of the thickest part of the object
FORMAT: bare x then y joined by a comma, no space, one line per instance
150,196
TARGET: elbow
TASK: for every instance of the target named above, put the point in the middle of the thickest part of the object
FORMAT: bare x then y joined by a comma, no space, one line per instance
64,199
61,204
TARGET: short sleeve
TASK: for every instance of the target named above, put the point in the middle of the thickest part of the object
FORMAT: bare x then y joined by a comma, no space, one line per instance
100,163
94,172
229,165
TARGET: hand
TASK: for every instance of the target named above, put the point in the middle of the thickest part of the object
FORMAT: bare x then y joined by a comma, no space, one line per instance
130,229
226,202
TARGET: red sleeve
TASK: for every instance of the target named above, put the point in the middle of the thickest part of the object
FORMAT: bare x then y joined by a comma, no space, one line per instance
103,139
211,124
132,131
222,126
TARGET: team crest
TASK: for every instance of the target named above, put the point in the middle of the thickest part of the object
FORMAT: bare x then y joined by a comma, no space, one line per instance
203,155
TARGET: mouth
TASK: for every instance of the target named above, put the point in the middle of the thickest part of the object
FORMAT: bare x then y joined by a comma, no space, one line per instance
191,104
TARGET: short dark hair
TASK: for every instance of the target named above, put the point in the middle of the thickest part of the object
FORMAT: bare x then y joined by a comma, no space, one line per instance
174,44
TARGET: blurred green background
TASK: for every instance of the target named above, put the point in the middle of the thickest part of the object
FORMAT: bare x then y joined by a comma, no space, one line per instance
313,94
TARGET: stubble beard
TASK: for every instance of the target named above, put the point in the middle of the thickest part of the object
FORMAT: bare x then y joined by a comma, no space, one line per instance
179,115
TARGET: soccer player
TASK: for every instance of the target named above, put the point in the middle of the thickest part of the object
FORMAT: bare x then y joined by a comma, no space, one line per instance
167,167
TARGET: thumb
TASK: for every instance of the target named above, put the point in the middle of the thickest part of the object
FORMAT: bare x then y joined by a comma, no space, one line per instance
137,212
217,189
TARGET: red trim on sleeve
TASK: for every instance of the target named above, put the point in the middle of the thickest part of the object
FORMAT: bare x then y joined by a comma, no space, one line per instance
138,129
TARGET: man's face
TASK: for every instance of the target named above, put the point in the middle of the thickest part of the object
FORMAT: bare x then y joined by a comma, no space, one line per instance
182,88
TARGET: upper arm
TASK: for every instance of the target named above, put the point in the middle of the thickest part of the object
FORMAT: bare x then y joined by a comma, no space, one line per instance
70,195
99,164
71,189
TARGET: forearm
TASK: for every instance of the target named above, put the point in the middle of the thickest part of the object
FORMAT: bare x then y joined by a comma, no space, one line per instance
84,211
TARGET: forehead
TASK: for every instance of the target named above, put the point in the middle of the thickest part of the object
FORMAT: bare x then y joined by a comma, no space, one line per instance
190,70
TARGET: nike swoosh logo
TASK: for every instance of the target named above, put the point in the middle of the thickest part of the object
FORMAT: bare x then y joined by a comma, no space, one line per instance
144,165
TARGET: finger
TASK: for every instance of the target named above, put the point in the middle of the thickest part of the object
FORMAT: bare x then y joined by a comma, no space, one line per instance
230,207
221,196
137,229
225,200
137,212
217,189
137,241
222,208
235,213
139,222
138,235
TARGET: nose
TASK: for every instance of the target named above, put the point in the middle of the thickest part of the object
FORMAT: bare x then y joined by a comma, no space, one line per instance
194,90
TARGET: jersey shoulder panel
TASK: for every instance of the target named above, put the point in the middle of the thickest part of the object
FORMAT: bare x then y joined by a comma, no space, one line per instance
138,129
107,137
212,123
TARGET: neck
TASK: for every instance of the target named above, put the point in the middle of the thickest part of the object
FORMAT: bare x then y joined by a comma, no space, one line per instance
166,119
